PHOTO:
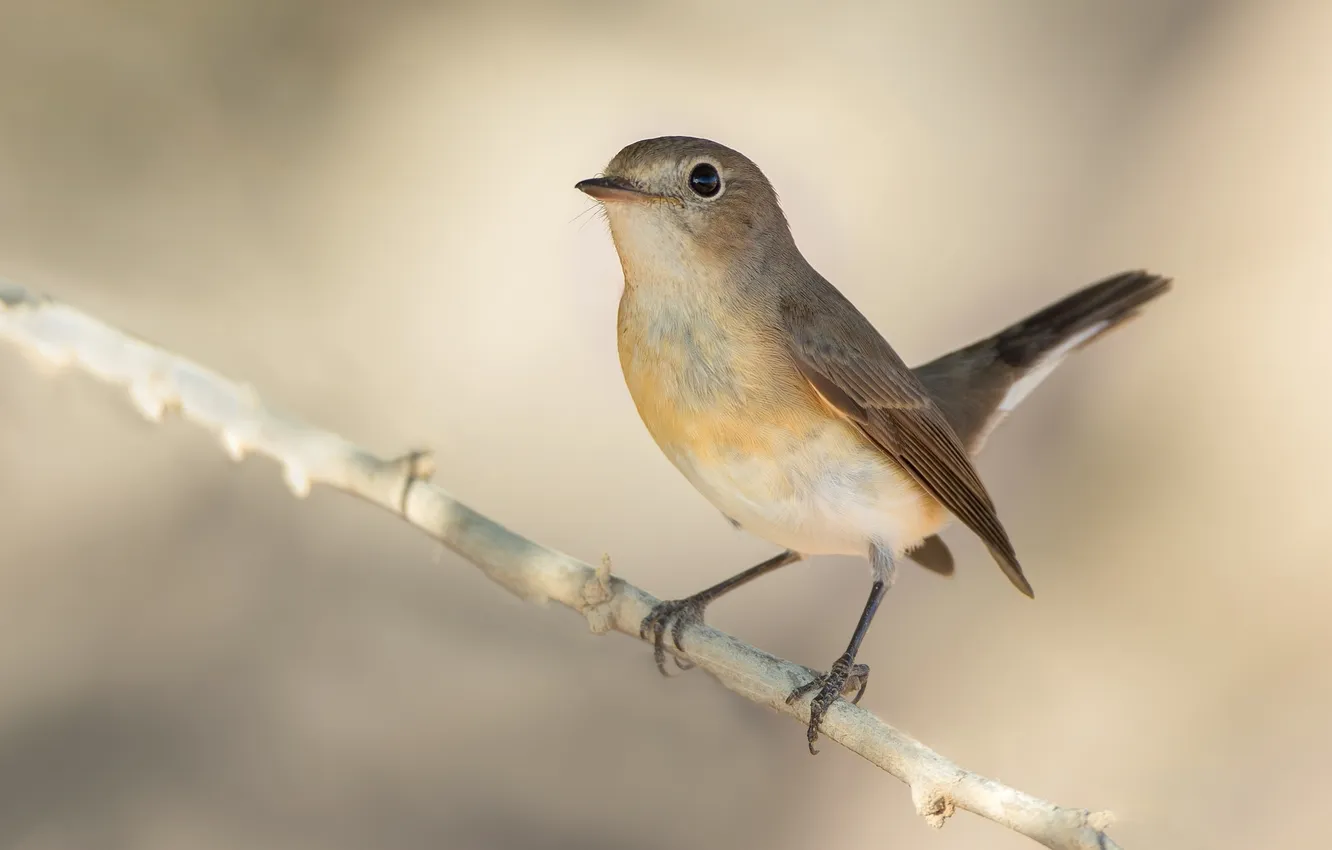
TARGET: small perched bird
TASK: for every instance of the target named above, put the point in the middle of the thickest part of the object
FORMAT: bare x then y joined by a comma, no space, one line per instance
783,405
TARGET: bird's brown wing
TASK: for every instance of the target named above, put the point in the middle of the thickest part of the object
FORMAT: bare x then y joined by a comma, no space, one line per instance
857,372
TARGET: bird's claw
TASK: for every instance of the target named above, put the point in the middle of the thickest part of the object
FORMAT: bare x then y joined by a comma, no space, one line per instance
843,677
678,614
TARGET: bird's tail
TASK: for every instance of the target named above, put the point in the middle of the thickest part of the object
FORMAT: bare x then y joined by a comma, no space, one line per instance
979,385
1079,318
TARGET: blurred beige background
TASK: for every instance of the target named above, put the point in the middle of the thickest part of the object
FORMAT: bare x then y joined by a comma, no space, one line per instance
367,211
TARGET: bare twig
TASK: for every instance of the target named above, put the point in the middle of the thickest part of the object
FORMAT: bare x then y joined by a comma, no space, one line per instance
159,381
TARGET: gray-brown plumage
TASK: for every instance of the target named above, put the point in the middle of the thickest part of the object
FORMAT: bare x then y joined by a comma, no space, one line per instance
784,406
855,370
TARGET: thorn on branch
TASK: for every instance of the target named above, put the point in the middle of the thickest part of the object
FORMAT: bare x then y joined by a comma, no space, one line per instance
234,445
298,482
153,398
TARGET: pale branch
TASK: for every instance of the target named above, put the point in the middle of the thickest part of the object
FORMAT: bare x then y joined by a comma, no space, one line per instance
159,381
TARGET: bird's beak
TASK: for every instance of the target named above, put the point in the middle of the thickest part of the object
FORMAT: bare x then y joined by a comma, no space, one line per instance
611,189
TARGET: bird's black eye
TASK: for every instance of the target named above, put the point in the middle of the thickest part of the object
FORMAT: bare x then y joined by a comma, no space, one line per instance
704,180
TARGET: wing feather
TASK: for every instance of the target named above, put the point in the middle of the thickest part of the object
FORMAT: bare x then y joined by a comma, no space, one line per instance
850,365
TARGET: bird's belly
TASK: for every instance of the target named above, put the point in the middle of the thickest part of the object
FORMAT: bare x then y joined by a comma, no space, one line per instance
829,493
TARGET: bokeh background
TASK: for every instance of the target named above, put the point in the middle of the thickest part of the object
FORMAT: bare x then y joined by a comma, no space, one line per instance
367,211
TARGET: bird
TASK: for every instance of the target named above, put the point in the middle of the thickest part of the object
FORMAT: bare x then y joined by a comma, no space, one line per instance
781,403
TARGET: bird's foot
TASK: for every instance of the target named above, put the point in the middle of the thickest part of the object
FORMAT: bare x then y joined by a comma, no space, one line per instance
677,614
843,677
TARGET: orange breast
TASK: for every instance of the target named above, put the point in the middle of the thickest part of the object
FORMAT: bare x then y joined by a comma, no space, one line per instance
711,386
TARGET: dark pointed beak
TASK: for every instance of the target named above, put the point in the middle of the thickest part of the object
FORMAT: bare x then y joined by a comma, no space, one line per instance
611,189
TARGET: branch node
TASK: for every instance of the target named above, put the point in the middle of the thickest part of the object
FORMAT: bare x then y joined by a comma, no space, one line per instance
932,804
417,465
1101,821
596,594
153,397
233,444
297,481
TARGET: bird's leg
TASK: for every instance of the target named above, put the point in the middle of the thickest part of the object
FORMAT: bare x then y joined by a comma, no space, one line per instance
679,613
845,672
